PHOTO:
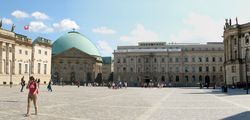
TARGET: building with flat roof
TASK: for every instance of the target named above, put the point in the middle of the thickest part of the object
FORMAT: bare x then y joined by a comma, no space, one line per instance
182,64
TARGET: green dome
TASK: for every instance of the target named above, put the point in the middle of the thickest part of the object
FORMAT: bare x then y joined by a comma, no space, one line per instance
76,40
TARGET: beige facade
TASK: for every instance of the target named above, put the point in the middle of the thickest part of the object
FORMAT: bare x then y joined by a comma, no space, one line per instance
75,65
236,41
18,57
178,64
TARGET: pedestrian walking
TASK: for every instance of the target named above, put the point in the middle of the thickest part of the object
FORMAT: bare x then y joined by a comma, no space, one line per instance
38,82
125,84
78,83
32,95
22,83
49,87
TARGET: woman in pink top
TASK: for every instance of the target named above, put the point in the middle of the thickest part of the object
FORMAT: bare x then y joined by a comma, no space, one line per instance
32,96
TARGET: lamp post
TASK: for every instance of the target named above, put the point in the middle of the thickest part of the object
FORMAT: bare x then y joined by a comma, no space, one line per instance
246,55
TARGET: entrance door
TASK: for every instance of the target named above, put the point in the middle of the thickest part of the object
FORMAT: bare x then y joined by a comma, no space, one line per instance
72,77
207,81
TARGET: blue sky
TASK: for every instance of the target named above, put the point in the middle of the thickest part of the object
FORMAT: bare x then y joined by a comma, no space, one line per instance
109,23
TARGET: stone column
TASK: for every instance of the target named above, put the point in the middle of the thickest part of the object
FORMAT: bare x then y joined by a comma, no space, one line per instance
13,58
1,57
7,58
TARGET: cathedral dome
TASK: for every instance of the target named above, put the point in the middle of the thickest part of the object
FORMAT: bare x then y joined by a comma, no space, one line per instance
76,40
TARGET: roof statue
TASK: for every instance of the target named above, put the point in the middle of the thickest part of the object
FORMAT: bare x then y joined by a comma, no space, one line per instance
1,23
236,19
13,28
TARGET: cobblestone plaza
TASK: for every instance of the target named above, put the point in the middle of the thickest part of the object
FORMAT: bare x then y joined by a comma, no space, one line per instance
99,103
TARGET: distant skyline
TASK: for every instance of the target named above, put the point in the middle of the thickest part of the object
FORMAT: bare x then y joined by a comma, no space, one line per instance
110,23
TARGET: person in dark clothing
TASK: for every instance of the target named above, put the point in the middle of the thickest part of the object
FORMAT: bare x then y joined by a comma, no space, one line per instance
22,83
38,82
49,87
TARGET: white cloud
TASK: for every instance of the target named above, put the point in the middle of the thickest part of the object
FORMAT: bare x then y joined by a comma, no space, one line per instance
105,48
20,14
65,24
39,15
199,29
140,34
7,21
103,30
38,26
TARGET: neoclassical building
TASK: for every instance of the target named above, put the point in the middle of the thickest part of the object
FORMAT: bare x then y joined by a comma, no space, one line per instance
75,58
178,64
20,57
236,42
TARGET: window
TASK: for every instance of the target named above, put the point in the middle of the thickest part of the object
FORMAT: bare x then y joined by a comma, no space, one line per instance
131,59
193,69
214,68
20,68
38,68
213,59
124,69
118,61
20,51
200,69
45,69
186,77
185,59
233,69
200,78
170,68
146,60
220,68
207,59
177,69
235,41
39,51
246,40
207,69
200,59
186,69
45,53
139,60
235,54
26,68
193,78
155,60
124,60
170,59
162,60
176,59
26,52
193,59
220,59
177,78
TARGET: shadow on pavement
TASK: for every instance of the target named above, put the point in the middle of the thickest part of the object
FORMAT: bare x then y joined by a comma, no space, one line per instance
219,92
10,101
240,116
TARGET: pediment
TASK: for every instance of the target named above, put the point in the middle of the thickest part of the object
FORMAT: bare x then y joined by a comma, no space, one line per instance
74,53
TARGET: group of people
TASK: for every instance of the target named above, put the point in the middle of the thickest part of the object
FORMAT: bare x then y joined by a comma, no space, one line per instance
117,85
23,83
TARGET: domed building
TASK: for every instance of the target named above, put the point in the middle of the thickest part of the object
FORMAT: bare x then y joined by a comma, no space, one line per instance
75,58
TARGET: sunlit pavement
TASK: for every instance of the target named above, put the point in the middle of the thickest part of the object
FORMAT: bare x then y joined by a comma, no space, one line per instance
99,103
